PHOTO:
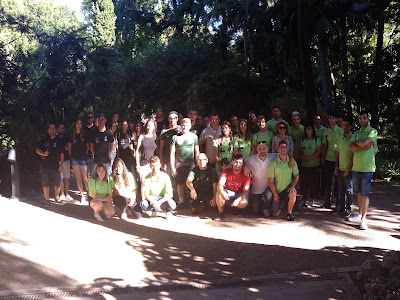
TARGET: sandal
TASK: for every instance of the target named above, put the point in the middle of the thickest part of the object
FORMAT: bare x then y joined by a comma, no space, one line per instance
46,204
58,200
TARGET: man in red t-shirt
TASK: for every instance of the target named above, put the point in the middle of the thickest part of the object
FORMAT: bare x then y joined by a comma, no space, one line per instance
233,187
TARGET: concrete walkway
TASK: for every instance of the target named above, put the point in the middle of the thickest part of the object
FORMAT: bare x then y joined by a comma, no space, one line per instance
64,247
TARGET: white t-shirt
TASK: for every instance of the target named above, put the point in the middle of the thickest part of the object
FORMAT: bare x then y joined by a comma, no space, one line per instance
259,172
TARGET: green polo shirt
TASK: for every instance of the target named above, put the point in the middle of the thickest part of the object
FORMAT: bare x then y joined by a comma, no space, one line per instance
100,188
263,137
282,174
345,155
332,138
364,160
242,146
157,185
309,147
271,125
297,135
321,133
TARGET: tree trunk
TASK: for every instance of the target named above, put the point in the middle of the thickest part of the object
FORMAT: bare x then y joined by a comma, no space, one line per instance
305,59
346,70
378,72
325,74
246,57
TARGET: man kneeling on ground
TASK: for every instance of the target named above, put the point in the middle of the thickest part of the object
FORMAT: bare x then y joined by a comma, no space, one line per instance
157,190
280,182
233,187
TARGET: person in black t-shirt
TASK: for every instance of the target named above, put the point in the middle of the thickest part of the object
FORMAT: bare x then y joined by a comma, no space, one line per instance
202,182
90,130
66,174
51,152
78,147
125,147
162,123
102,145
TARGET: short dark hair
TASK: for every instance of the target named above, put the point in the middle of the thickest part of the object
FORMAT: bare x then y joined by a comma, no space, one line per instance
214,114
275,106
237,156
282,142
347,119
310,124
101,115
90,113
363,112
60,123
333,114
260,117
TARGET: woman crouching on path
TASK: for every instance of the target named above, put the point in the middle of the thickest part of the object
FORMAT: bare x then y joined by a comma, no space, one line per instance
100,191
124,189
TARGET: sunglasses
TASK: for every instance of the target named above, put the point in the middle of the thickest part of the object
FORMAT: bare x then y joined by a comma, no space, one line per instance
90,117
261,142
282,127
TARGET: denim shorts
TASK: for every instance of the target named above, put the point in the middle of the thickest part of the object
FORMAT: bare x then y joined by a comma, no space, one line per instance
232,196
76,162
362,183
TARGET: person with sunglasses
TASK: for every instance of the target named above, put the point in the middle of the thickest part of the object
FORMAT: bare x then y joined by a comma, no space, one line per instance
282,136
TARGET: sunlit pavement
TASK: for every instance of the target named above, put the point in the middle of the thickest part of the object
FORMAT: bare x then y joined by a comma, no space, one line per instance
64,247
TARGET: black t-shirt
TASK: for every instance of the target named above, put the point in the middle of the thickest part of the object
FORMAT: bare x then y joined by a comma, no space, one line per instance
55,148
64,140
197,129
78,147
162,125
124,142
203,181
89,134
166,136
102,142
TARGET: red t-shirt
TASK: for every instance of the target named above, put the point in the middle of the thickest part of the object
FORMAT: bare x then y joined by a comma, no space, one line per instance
235,182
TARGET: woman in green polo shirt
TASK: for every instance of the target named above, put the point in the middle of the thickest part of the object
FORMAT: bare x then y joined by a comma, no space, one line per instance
242,141
224,147
310,151
100,191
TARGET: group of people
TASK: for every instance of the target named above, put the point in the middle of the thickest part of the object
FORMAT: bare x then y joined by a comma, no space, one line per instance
177,162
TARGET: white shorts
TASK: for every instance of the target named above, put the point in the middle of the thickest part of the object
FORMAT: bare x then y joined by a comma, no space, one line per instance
66,170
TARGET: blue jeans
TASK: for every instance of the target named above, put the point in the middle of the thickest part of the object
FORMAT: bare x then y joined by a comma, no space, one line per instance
345,190
168,205
258,202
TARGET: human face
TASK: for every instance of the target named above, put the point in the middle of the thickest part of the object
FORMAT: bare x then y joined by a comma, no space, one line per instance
60,129
339,122
173,120
155,167
114,127
78,125
199,119
282,150
101,121
252,118
276,113
331,120
118,168
115,117
185,127
214,121
261,123
317,121
309,132
234,122
150,127
101,173
192,115
52,130
159,113
363,120
131,126
243,127
262,150
138,128
89,119
237,164
180,118
296,120
226,130
206,122
282,129
346,127
124,126
202,161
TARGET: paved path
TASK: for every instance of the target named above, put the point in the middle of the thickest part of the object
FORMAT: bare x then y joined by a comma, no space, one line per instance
65,247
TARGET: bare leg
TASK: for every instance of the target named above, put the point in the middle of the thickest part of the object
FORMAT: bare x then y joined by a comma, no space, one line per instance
77,172
56,192
359,202
181,192
108,209
46,191
292,200
220,202
62,189
84,173
364,206
66,186
96,205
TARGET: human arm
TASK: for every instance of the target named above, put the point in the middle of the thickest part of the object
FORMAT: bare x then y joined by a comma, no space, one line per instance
337,163
196,153
41,152
138,153
61,167
244,194
271,185
348,169
217,157
221,185
91,146
172,160
361,145
69,148
161,145
189,184
295,182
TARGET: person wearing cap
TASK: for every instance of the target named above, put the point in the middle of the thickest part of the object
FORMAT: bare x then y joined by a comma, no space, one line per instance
102,145
276,114
296,131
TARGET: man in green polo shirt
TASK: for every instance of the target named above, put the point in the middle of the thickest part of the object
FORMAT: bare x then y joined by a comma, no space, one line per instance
296,131
157,190
276,118
344,164
333,133
320,133
263,135
282,182
363,144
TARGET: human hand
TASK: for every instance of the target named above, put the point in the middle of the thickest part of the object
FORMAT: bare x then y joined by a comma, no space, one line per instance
193,194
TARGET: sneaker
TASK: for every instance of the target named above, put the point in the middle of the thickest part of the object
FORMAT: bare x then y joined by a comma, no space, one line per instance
62,197
169,215
363,224
154,214
69,198
310,203
98,218
289,217
83,200
219,217
195,210
124,217
347,213
326,205
355,218
266,213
